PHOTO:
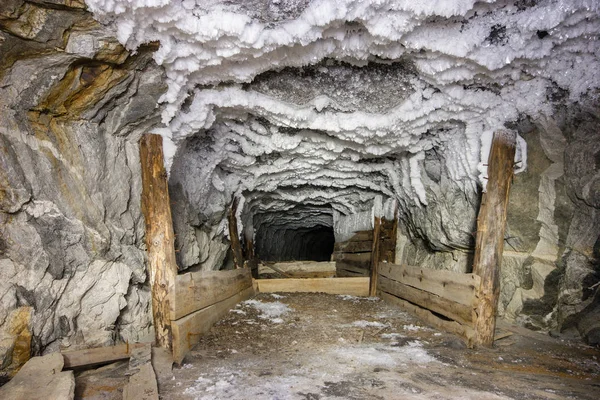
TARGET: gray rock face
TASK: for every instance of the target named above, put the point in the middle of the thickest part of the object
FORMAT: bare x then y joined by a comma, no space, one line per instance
550,268
71,231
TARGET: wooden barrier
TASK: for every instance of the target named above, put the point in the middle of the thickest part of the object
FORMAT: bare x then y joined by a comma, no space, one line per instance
353,257
201,299
427,292
197,290
352,286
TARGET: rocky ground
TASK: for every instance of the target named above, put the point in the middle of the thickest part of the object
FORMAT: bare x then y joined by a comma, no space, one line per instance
317,346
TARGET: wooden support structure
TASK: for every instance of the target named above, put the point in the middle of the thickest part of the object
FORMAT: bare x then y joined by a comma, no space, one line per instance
236,247
99,355
160,240
358,286
202,298
353,257
491,223
188,330
375,257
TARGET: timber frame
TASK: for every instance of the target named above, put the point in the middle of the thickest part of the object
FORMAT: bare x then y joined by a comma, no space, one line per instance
464,304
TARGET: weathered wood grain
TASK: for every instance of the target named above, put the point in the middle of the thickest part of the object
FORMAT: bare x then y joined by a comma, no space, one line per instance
160,240
454,286
465,332
491,224
187,330
99,355
352,286
456,311
374,267
197,290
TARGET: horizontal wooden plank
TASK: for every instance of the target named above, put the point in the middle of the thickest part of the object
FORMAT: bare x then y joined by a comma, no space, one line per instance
456,311
343,266
353,247
142,385
361,236
354,258
458,287
197,290
187,330
99,355
465,332
342,273
303,269
352,286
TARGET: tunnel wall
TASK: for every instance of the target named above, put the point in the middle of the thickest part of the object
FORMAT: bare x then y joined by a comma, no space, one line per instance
72,253
551,251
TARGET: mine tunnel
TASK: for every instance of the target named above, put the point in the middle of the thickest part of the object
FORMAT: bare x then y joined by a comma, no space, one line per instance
299,199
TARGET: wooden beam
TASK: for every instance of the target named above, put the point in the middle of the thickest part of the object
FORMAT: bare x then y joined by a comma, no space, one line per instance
352,286
465,332
142,385
491,224
197,290
236,247
99,355
375,257
160,240
363,246
187,330
448,308
454,286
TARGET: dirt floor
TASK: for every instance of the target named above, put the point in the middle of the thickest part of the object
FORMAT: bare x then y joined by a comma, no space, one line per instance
318,346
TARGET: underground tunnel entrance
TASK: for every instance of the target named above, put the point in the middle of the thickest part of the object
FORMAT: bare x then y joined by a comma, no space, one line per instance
281,243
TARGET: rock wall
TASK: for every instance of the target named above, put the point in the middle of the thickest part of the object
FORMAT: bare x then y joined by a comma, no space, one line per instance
73,103
551,261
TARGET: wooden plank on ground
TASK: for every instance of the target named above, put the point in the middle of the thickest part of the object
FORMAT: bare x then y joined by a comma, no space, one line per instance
142,385
197,290
304,269
463,331
453,310
455,286
41,379
99,355
353,247
358,286
187,330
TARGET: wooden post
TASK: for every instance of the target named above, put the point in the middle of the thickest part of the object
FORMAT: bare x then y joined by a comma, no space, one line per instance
160,241
491,224
375,258
236,247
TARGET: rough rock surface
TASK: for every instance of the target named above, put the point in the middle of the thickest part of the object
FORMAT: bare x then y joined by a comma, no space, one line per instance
73,104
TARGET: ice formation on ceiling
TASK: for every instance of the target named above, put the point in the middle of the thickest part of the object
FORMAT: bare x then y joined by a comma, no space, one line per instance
336,101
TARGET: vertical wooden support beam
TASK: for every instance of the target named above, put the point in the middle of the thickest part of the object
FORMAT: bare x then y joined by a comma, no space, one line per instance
160,241
491,224
375,257
236,247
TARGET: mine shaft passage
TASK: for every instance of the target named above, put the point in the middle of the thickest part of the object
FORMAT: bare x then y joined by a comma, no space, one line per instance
280,243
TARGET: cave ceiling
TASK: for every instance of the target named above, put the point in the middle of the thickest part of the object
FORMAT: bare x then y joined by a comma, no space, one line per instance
305,106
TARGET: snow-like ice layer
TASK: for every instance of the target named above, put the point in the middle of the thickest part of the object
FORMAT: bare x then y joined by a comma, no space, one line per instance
272,311
458,70
368,324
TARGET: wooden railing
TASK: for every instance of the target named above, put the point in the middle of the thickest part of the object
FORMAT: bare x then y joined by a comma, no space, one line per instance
444,299
200,300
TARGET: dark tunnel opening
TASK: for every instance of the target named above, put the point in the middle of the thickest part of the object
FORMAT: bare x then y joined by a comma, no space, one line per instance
276,243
